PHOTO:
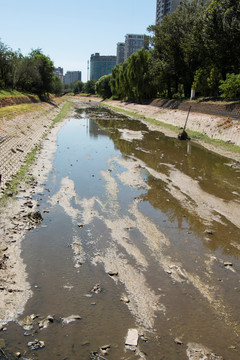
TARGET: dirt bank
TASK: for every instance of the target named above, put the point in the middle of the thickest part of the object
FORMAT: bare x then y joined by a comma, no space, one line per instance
213,127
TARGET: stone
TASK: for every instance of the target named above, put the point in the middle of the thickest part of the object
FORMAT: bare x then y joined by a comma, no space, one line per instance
36,344
125,299
71,318
178,341
132,337
35,216
113,273
96,289
227,263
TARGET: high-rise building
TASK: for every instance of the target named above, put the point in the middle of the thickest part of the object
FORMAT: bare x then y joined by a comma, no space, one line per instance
165,7
133,42
72,76
59,73
120,52
101,65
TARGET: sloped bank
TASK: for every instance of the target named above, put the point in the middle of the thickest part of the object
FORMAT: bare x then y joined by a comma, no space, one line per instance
216,133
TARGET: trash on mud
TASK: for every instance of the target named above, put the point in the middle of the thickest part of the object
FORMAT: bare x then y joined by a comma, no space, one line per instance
132,337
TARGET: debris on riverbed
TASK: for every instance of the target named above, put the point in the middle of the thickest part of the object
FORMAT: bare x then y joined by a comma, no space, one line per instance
36,344
35,217
71,318
97,288
199,352
132,337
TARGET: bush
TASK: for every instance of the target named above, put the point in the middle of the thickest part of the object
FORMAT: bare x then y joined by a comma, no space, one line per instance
230,88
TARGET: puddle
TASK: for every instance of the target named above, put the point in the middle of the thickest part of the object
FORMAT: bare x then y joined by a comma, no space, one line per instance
139,232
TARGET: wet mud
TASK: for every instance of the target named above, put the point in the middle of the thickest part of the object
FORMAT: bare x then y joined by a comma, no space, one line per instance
139,231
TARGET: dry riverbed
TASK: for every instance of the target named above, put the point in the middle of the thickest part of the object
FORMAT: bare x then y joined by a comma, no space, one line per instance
19,216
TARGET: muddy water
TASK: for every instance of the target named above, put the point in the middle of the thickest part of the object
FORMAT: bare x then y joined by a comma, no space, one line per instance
140,231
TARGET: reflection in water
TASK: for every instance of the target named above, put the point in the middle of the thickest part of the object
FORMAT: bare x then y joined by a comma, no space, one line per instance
137,234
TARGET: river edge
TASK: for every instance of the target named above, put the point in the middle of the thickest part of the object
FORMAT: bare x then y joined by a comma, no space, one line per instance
170,122
14,287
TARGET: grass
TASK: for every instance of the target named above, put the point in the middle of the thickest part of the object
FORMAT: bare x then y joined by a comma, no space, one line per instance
13,93
8,112
67,107
13,185
194,135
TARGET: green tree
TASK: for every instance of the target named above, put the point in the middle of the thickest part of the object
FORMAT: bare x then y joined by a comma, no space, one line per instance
103,87
221,32
57,86
230,88
43,85
177,47
7,61
77,87
89,87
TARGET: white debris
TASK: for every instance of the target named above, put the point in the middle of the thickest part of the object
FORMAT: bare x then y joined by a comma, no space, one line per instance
132,337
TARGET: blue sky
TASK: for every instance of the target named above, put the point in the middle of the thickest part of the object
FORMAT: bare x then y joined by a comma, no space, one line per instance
69,31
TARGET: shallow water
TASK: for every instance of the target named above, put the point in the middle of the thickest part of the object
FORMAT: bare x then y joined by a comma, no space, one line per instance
162,216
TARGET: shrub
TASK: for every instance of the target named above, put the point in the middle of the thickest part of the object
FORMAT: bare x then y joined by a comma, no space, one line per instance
230,88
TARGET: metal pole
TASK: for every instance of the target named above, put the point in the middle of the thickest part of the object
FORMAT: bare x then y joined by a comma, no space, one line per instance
187,118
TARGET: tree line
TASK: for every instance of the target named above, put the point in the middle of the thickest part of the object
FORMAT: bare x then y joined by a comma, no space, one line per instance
197,46
33,73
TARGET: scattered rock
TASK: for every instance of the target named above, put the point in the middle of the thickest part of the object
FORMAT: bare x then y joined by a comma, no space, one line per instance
36,344
43,324
35,216
209,232
27,322
178,341
18,354
132,337
227,263
125,299
71,318
97,288
200,352
50,318
113,273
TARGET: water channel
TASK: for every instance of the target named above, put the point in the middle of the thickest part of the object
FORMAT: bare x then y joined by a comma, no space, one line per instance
139,231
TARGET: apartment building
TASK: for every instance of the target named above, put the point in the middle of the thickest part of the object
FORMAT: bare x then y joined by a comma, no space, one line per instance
165,7
72,76
133,42
120,52
101,65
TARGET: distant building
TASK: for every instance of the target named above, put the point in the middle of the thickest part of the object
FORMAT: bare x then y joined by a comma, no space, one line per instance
120,52
133,42
59,73
101,65
165,7
72,76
